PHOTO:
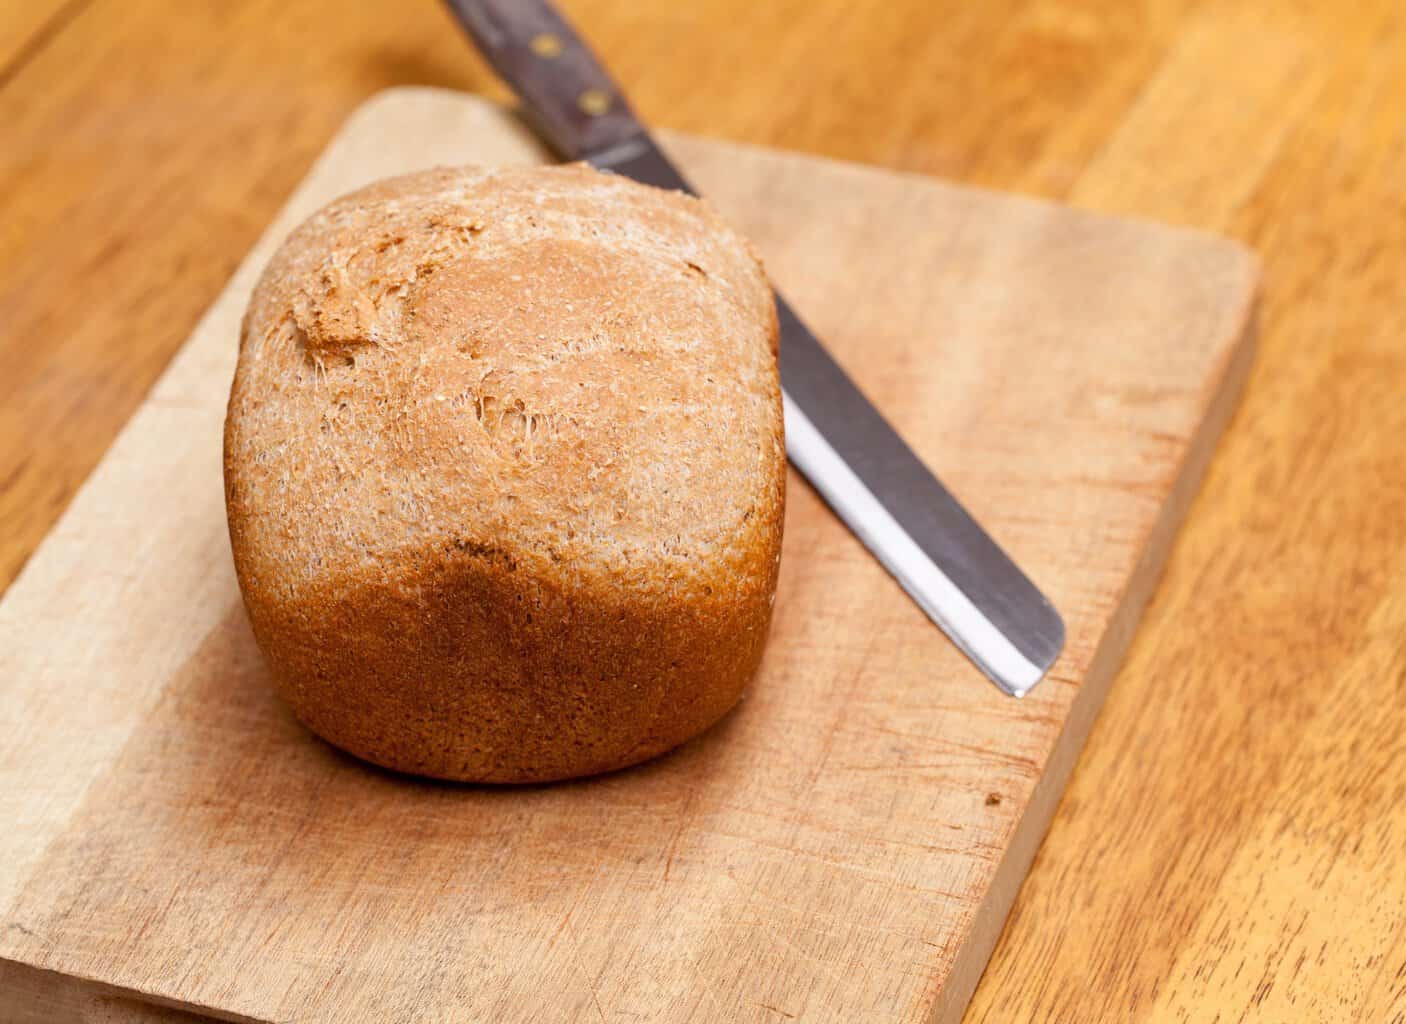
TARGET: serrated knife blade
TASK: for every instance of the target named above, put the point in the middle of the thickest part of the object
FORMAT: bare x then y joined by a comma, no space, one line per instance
835,437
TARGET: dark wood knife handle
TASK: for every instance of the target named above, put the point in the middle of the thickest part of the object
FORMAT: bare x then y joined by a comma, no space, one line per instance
565,91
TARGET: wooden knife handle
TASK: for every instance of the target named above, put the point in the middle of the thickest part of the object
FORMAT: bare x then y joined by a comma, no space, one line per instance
567,94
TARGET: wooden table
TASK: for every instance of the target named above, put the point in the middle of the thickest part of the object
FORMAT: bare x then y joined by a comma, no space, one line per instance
1231,847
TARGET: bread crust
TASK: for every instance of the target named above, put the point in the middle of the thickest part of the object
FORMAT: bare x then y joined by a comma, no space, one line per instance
505,471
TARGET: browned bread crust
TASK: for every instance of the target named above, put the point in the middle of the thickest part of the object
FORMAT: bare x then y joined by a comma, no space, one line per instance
505,472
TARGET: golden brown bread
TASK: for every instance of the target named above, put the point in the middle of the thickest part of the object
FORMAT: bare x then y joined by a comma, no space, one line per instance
505,472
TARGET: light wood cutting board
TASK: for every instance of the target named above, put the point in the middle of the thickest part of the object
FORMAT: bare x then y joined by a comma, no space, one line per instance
845,846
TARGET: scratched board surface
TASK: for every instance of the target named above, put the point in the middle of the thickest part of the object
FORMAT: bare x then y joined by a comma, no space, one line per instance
843,847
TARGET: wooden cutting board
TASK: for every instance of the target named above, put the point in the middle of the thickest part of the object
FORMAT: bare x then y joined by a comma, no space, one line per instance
845,846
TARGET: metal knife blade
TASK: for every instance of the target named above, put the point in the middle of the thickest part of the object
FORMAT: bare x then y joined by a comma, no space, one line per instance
850,454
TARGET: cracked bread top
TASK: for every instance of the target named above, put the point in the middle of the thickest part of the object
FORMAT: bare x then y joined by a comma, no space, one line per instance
552,367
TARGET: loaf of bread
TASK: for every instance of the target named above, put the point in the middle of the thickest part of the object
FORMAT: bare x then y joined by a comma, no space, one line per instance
505,472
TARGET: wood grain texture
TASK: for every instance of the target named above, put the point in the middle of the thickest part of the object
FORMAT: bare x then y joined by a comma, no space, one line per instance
31,996
844,847
25,30
147,144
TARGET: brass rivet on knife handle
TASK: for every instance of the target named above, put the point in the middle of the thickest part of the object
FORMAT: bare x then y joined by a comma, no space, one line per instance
546,45
565,92
594,102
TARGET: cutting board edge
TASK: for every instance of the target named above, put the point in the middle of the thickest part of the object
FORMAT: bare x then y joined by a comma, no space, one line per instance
956,991
29,992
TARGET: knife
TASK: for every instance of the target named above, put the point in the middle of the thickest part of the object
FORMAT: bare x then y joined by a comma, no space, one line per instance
866,473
